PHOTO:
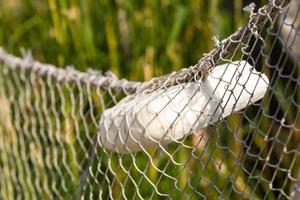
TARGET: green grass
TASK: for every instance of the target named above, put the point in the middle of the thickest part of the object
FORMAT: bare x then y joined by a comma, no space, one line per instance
136,40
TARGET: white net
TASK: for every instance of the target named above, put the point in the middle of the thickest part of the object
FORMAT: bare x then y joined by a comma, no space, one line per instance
226,128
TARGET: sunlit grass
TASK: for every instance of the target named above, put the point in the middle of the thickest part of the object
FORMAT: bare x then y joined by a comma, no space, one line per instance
136,40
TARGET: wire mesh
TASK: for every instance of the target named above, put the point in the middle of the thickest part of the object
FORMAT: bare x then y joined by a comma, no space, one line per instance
55,124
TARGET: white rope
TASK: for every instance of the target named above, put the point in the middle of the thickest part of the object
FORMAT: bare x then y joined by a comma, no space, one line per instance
207,131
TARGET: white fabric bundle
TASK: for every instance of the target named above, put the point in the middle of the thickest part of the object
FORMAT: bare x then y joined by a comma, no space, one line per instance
289,24
167,115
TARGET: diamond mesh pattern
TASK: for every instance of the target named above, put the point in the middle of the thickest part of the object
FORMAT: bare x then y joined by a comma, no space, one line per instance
50,126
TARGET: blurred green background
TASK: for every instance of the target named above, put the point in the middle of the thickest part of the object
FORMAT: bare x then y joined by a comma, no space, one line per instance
135,39
138,40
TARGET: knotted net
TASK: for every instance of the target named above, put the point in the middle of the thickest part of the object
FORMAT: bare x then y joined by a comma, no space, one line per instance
227,127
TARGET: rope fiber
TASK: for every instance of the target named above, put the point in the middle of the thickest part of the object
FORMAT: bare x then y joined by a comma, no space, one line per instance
227,127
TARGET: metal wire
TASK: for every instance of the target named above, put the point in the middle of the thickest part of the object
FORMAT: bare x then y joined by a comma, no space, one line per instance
55,124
